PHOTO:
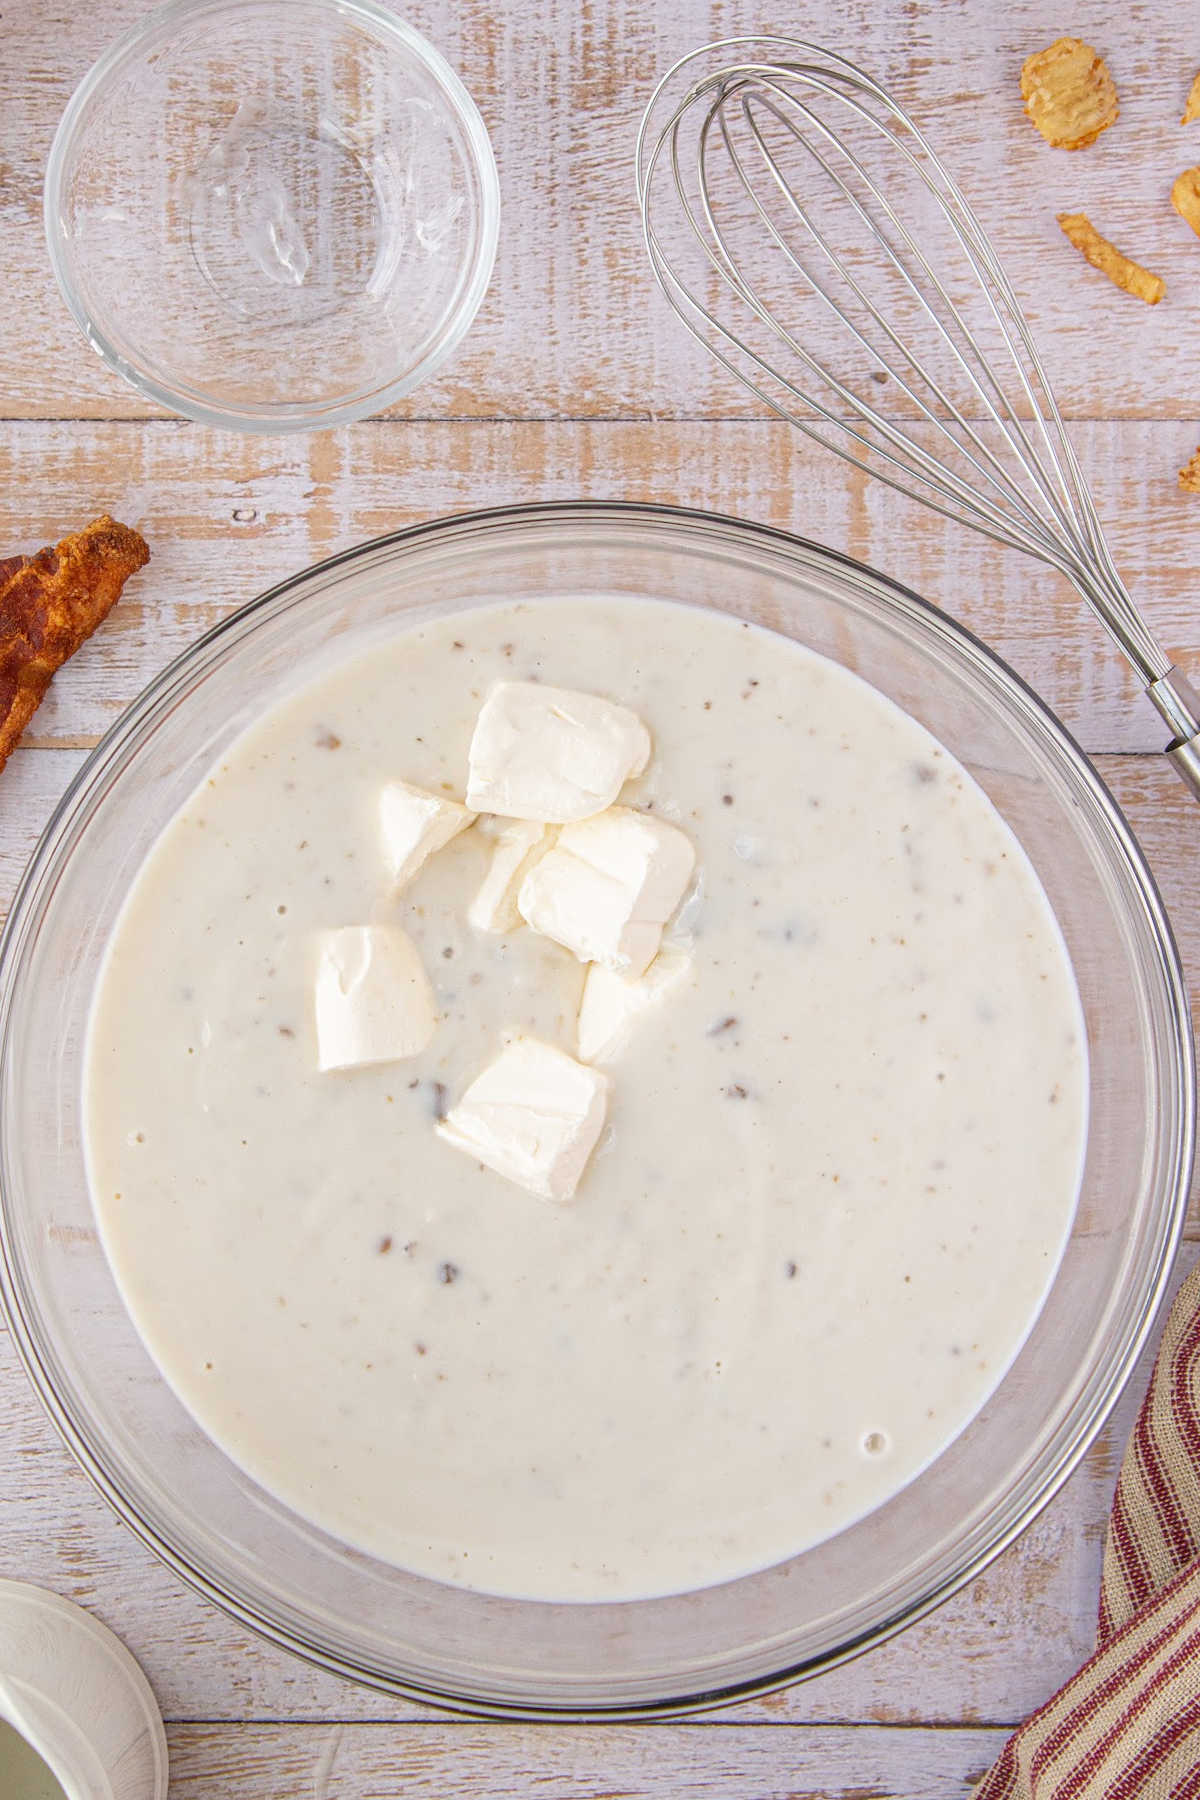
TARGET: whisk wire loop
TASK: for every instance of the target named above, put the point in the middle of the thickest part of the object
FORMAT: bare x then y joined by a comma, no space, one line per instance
999,459
958,497
720,259
987,465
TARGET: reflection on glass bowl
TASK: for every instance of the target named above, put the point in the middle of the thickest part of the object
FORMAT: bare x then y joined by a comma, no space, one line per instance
360,1616
272,214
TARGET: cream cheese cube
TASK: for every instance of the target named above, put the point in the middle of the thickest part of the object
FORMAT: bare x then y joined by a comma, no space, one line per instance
533,1116
374,1001
518,844
552,754
608,887
612,1004
414,823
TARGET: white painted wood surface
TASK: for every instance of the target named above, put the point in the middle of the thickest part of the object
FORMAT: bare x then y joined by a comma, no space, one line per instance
575,383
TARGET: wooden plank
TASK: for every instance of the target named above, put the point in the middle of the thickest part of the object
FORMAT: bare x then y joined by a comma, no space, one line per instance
226,516
572,325
33,783
654,1762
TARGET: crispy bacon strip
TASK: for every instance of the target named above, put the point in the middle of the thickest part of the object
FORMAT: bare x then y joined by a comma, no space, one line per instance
51,602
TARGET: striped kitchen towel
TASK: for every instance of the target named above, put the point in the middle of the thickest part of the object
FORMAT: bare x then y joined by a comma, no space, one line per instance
1127,1726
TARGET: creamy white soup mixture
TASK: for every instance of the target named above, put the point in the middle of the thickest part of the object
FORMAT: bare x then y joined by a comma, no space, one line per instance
838,1160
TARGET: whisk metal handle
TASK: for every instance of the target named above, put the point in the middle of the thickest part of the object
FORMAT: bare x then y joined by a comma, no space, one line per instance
1179,704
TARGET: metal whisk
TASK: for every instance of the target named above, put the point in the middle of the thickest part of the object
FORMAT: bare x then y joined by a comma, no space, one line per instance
806,233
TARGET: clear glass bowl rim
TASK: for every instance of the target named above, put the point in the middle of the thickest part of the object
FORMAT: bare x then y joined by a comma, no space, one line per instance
139,720
191,403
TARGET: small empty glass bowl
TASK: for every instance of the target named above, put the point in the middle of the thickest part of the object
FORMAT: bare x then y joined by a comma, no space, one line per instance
275,215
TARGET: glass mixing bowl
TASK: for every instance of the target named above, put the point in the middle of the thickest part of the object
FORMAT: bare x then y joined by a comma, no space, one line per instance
272,214
360,1617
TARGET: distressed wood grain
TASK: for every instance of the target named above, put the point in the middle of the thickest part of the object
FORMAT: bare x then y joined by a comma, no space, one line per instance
572,325
226,516
656,1762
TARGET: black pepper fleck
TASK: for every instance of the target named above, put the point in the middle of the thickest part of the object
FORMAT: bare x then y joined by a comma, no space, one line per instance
447,1272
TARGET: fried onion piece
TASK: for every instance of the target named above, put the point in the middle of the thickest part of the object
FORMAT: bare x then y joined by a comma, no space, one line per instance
1108,259
1185,198
1191,111
1189,475
51,602
1069,94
